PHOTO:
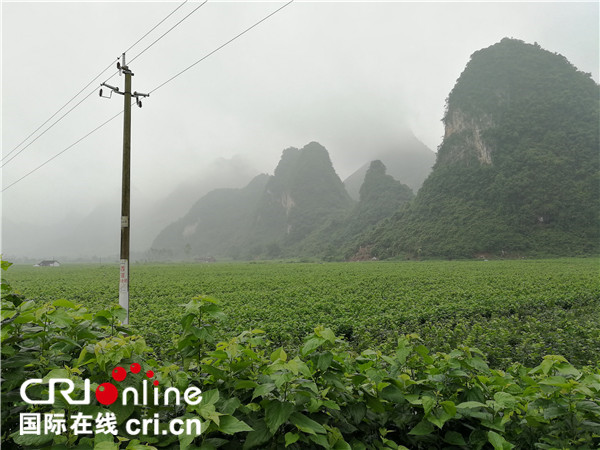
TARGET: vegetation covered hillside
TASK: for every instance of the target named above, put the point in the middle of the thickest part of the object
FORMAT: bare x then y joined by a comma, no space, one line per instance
304,193
269,218
408,160
380,196
518,169
214,225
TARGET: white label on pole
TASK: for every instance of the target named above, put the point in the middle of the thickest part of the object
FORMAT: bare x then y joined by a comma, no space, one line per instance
124,288
124,221
124,277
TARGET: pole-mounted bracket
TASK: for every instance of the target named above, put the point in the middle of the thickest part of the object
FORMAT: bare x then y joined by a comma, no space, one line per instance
112,89
137,96
123,69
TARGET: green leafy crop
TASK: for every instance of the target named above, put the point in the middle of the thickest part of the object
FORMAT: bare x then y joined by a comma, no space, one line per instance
318,394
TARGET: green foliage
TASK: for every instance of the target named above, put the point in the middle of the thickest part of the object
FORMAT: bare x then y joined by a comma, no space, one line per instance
60,340
514,311
198,330
380,196
536,191
321,395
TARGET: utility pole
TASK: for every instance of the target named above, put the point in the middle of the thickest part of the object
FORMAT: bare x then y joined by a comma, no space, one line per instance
125,193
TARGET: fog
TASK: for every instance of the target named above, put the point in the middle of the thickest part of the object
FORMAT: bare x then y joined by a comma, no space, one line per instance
351,76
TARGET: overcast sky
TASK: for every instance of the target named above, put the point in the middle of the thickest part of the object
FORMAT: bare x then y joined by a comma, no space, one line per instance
348,75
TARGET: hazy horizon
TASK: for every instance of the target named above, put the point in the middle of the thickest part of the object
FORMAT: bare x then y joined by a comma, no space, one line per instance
351,76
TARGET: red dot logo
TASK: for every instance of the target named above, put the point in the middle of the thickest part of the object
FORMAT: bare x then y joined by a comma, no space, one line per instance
150,374
107,393
119,374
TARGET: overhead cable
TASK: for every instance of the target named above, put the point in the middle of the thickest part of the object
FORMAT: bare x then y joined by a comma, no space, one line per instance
64,150
59,110
156,88
49,128
156,26
5,161
168,31
221,46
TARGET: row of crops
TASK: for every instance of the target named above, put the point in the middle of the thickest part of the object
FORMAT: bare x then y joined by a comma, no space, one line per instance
511,310
298,389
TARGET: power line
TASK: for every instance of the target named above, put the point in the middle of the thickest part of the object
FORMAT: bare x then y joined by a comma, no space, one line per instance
163,35
59,110
221,46
89,94
62,151
156,26
167,32
153,90
48,129
3,159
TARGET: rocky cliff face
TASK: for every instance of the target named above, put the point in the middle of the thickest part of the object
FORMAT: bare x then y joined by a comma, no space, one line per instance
464,138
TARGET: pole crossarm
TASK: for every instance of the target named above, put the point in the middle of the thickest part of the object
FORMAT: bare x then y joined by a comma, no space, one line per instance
113,88
116,90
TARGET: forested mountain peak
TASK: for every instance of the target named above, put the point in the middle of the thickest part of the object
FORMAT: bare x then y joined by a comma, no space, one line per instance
518,169
270,217
303,193
515,85
407,160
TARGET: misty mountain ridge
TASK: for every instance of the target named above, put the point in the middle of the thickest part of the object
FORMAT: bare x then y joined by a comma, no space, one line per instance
268,218
234,172
304,192
381,195
409,161
303,209
517,173
216,224
301,176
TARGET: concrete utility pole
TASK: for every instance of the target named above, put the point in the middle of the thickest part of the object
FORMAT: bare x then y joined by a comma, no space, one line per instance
125,194
125,191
